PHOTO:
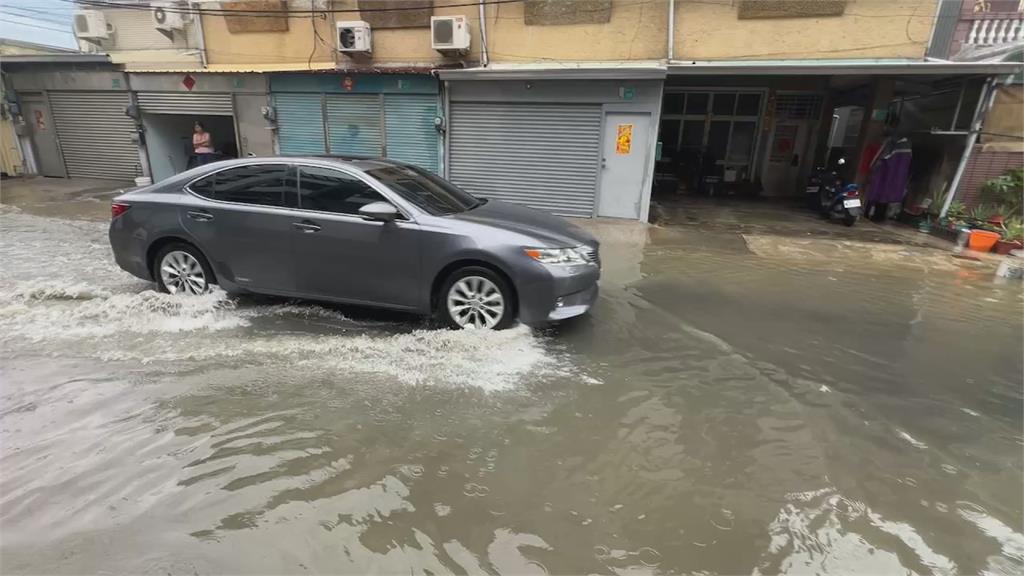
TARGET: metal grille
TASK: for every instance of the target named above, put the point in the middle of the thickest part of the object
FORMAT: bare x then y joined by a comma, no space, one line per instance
411,136
540,155
590,254
797,106
95,134
185,103
354,124
300,123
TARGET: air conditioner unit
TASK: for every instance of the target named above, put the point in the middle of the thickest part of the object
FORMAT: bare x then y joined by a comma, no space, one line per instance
354,37
92,25
449,34
170,16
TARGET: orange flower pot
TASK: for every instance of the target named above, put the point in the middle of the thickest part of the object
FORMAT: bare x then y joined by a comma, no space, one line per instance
982,240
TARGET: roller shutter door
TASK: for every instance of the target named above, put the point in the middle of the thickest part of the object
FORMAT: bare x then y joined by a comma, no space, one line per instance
300,124
185,103
354,124
409,127
95,135
540,155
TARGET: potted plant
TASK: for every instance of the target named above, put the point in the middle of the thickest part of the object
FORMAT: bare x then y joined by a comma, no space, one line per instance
1012,236
1008,191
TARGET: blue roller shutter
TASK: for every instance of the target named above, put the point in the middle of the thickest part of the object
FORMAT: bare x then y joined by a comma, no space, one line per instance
411,136
354,124
300,123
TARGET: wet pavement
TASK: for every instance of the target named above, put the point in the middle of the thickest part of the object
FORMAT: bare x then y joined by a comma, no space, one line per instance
740,401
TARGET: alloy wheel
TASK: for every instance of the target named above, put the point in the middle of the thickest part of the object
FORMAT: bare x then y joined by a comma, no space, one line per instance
183,274
475,302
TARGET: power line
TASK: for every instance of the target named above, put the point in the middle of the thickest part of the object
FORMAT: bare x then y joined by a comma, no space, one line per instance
40,26
288,13
33,16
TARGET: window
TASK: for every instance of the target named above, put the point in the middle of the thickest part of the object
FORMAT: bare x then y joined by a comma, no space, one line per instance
261,184
672,103
748,105
432,194
329,190
724,104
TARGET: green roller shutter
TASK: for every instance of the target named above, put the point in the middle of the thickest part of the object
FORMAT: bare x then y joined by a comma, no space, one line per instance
354,124
300,124
411,136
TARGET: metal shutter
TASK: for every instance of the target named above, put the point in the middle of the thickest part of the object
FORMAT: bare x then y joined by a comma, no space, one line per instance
300,123
354,124
185,103
95,135
540,155
410,133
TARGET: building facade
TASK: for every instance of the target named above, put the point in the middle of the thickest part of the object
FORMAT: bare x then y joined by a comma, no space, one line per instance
584,108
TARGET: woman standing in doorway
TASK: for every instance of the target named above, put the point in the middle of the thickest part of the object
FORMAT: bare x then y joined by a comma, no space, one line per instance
202,144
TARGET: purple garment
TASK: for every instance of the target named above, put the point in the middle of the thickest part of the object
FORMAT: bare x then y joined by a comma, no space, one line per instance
890,173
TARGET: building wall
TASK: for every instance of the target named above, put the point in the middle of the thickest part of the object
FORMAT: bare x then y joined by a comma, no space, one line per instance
138,45
711,30
1004,124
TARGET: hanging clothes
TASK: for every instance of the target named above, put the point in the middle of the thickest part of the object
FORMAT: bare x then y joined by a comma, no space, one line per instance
890,172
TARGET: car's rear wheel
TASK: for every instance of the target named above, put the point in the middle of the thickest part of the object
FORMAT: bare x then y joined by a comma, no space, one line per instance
182,269
475,297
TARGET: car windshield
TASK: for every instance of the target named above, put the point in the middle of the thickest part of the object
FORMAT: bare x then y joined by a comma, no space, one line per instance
426,191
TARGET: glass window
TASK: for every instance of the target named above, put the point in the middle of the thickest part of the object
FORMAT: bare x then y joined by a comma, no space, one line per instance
693,134
673,103
669,137
748,105
432,194
204,186
262,184
724,104
697,103
742,142
328,190
718,138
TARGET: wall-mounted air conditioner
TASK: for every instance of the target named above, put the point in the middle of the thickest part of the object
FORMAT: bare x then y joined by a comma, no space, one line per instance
170,16
449,34
354,37
92,25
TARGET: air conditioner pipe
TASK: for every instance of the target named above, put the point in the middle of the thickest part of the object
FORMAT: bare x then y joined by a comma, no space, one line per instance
484,59
671,30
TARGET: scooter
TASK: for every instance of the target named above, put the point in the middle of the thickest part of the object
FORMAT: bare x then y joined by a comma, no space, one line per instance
841,203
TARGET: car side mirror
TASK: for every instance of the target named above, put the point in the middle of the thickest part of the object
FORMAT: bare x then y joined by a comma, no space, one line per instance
380,211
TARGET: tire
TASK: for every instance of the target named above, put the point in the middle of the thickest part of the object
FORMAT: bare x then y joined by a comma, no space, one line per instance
849,220
181,256
474,288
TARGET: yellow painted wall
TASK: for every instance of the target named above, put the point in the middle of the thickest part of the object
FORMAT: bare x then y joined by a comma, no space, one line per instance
710,30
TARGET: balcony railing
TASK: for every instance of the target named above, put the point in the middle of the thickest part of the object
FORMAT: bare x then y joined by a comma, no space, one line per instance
996,31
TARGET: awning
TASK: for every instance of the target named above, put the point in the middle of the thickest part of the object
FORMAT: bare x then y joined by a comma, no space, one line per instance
839,68
641,70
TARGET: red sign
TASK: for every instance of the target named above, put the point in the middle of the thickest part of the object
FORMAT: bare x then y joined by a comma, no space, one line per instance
188,82
348,83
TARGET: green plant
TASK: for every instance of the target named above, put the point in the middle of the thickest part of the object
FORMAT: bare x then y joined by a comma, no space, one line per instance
1008,190
957,210
1013,230
984,212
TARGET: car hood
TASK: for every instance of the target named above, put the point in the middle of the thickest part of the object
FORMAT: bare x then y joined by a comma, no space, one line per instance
550,230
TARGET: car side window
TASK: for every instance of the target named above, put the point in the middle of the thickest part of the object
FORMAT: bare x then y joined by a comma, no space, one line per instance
261,184
329,190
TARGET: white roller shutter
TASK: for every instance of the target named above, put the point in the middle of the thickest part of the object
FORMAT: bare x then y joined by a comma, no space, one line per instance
186,103
95,135
540,155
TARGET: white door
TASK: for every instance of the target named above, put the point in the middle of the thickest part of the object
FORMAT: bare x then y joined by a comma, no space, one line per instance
786,156
623,162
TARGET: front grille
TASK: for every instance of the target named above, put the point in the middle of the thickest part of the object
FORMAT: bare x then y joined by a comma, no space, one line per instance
590,254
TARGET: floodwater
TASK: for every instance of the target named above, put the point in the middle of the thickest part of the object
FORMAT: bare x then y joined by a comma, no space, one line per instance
732,406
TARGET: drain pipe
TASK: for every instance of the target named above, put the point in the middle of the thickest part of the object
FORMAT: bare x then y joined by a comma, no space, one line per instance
484,59
988,93
197,17
671,30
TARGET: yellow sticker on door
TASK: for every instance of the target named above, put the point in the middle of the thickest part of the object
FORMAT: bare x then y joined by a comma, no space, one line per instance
624,139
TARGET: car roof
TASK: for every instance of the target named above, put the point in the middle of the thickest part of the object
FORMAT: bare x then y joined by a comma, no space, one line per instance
358,162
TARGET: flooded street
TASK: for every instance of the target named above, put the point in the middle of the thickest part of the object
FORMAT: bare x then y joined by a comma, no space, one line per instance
735,404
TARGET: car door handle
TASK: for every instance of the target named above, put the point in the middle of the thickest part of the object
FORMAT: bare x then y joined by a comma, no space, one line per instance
307,227
200,215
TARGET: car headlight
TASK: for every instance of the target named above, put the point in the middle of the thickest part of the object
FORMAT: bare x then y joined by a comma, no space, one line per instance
555,255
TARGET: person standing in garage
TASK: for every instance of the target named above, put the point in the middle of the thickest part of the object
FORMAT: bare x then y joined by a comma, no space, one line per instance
202,144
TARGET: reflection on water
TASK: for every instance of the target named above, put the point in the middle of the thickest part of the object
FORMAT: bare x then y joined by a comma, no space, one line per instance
720,412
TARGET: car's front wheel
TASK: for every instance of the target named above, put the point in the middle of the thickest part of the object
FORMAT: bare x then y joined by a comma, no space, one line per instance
182,269
476,297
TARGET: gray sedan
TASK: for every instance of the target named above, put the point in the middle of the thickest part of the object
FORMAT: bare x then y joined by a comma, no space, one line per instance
367,232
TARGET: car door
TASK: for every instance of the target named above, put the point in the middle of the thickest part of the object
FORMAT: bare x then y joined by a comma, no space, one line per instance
240,220
341,255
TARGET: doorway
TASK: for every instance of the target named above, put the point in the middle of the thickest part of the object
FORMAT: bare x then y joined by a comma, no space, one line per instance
623,163
169,141
49,160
